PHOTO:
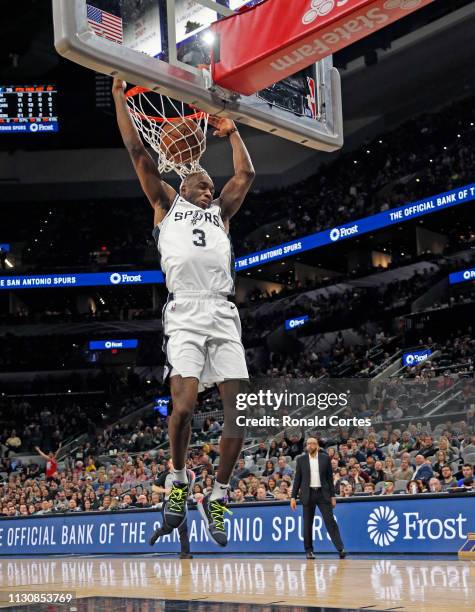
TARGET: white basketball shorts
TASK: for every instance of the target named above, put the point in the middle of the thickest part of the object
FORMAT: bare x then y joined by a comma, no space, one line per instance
202,338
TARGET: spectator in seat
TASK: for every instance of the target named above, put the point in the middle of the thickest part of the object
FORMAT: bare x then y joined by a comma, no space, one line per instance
434,485
369,488
73,507
469,483
295,445
468,447
13,442
283,493
447,479
214,426
378,473
282,468
414,487
439,464
61,504
393,411
393,446
404,472
424,471
444,445
356,480
373,451
240,473
428,449
261,452
271,485
467,472
237,496
91,467
406,444
274,449
269,469
261,494
389,468
346,490
388,488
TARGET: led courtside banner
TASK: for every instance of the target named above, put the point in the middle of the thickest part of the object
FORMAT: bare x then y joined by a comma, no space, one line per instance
108,345
296,322
352,229
397,524
46,281
412,358
462,276
394,216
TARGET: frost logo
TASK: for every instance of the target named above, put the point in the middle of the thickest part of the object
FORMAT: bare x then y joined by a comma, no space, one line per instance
34,127
383,526
405,5
334,234
410,359
115,278
468,274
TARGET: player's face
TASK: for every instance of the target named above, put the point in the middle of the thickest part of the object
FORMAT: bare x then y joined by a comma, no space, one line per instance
199,190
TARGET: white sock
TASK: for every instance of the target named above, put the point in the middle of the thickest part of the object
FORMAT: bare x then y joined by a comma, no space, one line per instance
180,476
219,490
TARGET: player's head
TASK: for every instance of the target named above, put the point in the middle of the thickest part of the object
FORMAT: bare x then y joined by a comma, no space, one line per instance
198,188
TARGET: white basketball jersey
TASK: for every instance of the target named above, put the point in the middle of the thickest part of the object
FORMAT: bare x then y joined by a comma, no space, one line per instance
195,252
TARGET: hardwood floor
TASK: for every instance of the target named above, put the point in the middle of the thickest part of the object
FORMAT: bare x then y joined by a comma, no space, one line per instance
411,584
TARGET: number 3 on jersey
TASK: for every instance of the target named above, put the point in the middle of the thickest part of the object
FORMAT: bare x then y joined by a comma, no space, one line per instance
199,238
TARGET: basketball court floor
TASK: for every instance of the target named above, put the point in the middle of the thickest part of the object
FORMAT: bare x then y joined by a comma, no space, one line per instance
230,584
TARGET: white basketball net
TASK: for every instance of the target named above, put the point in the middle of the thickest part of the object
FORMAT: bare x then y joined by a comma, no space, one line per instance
180,153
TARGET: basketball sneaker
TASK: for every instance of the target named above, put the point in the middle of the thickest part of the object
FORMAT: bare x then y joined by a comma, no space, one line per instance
174,509
212,513
155,535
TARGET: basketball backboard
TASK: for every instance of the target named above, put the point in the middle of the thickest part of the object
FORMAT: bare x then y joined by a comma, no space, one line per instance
158,44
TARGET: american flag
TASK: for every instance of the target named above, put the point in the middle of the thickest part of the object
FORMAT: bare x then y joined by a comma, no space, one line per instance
105,24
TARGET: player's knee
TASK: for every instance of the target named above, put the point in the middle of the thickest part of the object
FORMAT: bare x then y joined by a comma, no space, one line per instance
232,430
183,412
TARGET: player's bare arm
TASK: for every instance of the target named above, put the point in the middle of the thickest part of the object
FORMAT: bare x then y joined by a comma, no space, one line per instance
233,193
159,193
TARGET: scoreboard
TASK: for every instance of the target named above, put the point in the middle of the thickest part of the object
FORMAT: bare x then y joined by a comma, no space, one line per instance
28,109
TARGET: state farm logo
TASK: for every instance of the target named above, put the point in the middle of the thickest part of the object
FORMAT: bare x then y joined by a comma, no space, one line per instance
319,8
405,5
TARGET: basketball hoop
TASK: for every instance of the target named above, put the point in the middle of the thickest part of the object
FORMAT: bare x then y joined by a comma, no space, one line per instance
177,136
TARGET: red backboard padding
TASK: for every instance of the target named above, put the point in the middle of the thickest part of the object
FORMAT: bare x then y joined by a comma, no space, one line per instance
275,39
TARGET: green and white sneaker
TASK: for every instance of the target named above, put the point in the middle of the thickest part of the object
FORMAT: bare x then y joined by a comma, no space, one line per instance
212,513
174,509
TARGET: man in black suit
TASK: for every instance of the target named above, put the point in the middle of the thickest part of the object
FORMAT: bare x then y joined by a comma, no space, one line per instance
314,480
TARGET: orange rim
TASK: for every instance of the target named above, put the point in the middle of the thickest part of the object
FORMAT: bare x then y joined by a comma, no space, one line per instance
135,91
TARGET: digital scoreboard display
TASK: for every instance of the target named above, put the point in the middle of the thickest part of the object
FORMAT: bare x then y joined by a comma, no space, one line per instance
28,109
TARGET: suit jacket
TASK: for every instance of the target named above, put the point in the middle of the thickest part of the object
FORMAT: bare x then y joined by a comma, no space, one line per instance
302,477
424,473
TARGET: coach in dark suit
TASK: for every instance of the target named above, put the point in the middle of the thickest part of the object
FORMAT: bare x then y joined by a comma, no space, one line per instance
314,480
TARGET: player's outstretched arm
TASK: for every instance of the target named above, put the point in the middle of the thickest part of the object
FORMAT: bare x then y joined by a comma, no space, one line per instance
159,193
235,190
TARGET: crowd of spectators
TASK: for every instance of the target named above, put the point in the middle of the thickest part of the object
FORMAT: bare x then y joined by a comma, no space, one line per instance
385,461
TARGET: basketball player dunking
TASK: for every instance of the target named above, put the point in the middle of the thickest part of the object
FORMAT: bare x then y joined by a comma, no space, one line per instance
202,329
